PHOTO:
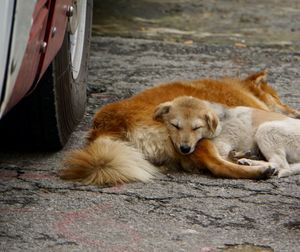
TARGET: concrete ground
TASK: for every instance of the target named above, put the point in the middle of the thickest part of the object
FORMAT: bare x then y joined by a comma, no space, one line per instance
175,212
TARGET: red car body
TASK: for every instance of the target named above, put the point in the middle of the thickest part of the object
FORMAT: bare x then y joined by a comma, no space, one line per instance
44,55
49,24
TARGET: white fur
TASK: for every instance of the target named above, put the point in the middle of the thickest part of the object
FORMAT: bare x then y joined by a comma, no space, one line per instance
278,140
236,131
293,170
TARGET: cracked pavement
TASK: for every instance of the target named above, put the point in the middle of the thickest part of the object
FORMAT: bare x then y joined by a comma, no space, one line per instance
175,212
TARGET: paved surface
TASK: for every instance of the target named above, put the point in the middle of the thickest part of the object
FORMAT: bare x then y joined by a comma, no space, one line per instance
176,212
251,22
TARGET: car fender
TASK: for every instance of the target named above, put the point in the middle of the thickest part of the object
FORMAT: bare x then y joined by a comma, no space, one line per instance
37,33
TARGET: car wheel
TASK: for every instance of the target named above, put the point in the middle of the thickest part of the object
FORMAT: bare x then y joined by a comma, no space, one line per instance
46,118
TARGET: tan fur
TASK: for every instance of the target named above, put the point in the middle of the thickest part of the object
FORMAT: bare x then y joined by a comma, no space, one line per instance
266,93
187,120
206,155
237,132
141,140
180,118
96,164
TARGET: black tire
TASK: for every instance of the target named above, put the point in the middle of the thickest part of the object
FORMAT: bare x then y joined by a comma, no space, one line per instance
45,119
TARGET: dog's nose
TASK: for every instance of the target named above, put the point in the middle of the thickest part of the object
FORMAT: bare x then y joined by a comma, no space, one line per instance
185,149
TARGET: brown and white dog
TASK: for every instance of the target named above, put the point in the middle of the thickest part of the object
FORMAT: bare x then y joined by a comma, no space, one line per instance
241,130
127,144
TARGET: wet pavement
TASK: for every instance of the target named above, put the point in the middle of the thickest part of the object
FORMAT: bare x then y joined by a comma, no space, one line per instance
177,211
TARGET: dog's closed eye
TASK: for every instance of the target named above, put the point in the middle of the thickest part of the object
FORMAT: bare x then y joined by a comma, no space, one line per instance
197,127
175,125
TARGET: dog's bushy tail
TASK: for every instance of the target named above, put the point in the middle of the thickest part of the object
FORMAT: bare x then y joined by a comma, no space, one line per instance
107,162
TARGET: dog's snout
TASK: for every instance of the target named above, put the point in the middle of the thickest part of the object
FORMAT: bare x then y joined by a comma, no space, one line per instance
185,149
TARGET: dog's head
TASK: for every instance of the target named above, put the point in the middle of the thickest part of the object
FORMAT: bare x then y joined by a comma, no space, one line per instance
259,86
188,120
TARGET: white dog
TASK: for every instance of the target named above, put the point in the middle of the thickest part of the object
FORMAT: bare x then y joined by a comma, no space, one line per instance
235,132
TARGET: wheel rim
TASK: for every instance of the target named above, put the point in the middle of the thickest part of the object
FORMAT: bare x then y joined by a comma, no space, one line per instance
77,36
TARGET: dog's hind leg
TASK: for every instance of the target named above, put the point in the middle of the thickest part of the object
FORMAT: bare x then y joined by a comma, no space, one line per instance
250,154
272,143
294,169
236,155
206,154
251,162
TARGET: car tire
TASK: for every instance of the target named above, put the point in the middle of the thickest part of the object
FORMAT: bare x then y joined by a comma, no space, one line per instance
45,119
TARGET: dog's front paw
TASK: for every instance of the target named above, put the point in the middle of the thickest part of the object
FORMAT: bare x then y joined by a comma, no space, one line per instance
245,161
236,155
267,171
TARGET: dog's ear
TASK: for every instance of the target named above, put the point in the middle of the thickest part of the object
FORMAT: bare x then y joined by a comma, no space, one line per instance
258,77
212,121
161,110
